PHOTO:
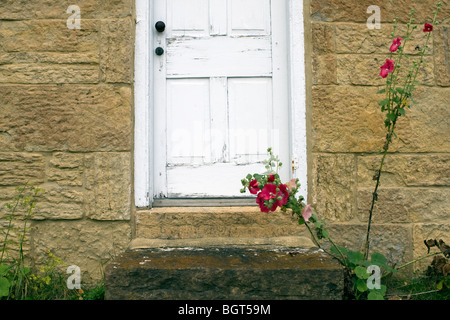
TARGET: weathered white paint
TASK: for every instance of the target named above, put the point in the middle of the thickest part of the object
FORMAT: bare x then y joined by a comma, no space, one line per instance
218,88
143,119
298,94
219,57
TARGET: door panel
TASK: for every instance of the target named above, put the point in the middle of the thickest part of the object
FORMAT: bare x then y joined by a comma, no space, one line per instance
188,129
220,94
207,57
250,98
250,17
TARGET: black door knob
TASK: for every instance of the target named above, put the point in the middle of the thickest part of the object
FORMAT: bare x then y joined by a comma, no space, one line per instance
159,51
160,26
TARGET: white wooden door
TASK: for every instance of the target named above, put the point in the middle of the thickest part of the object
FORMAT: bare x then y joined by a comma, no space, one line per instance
220,94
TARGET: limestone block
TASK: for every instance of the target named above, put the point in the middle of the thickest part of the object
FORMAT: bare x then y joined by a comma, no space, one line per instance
55,44
365,70
442,65
65,118
18,169
405,205
357,38
66,169
204,222
56,9
59,202
33,74
49,36
412,170
333,184
323,37
116,51
426,125
108,185
224,272
87,244
346,119
324,69
391,240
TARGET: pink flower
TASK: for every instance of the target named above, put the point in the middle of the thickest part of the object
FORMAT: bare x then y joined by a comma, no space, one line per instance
387,68
292,184
428,27
271,178
253,187
395,44
307,212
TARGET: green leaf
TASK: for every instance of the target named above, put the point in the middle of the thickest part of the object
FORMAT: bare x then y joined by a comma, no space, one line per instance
374,296
383,102
4,287
342,249
440,285
4,269
249,177
401,111
378,259
361,273
391,116
382,91
355,257
400,90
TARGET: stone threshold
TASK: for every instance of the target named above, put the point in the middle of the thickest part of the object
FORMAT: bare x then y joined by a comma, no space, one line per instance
289,241
224,273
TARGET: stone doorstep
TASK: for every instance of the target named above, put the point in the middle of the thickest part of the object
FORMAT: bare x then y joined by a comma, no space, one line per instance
224,272
204,222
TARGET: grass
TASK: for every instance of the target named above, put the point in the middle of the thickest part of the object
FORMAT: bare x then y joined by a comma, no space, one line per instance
418,287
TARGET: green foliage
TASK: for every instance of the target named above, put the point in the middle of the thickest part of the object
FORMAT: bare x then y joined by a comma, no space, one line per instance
357,268
17,280
398,90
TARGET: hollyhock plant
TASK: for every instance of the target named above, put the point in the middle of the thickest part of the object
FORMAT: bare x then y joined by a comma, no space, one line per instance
395,44
272,193
387,68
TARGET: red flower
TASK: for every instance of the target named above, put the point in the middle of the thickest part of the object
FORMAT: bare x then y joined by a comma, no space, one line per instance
271,178
395,44
272,196
428,27
387,68
284,194
254,187
268,192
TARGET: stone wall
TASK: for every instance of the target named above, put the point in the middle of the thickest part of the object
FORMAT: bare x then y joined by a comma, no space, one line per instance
66,125
346,128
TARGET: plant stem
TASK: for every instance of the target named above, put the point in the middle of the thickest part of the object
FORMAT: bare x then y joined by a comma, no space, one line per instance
418,259
405,95
375,194
8,229
313,236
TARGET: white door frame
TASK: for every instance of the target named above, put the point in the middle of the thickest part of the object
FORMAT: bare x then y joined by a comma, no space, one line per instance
143,115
